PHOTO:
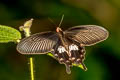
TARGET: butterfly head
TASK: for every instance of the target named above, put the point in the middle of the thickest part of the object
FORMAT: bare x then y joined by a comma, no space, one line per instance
58,29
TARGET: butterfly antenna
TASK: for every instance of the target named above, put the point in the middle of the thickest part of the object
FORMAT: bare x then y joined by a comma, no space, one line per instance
61,20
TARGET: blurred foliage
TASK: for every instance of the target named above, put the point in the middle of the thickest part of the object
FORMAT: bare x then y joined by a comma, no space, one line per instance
102,60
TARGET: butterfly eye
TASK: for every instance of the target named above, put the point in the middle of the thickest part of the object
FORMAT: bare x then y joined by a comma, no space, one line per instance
58,29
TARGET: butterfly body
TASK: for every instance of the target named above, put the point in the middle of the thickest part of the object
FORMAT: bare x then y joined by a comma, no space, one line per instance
68,47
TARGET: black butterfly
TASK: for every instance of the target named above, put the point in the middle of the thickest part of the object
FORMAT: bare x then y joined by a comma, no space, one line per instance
66,46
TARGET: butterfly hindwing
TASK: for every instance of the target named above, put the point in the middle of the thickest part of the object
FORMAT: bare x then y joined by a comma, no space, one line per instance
61,53
77,54
39,43
74,55
87,34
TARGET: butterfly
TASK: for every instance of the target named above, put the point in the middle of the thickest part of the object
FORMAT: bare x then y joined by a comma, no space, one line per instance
68,46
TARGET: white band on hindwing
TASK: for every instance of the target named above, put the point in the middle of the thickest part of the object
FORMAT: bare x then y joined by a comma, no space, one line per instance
73,47
61,49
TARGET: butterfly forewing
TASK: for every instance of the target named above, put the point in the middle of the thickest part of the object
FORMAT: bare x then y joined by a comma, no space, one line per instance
39,43
87,34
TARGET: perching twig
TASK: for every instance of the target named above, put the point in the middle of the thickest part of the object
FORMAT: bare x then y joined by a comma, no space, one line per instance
31,68
26,29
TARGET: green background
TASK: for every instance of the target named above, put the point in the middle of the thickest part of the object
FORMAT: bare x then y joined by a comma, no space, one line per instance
102,60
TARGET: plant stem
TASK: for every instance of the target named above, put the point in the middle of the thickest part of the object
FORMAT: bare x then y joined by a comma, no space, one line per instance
31,68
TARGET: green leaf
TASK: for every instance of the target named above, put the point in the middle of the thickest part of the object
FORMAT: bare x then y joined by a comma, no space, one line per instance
9,34
80,66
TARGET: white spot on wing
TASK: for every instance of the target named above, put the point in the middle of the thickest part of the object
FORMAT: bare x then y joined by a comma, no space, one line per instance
61,49
73,47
